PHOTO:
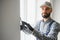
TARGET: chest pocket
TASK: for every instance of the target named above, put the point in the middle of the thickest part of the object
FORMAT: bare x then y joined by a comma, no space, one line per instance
49,27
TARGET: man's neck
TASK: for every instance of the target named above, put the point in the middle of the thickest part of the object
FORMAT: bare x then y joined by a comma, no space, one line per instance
45,19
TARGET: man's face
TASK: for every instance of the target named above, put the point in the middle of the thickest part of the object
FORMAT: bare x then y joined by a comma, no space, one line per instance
46,11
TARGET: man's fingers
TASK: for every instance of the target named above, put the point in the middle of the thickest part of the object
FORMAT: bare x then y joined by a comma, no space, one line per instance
28,25
24,23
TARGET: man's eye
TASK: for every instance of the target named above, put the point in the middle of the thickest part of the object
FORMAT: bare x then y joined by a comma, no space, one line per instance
47,8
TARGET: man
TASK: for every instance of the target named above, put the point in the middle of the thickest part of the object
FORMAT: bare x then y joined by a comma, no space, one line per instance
47,28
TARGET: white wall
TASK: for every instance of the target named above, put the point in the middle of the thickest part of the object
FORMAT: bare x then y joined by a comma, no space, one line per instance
10,20
56,12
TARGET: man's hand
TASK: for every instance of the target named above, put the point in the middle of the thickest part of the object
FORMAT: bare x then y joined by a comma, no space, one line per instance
23,26
26,25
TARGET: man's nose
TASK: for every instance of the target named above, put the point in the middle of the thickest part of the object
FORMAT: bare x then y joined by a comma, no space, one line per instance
44,11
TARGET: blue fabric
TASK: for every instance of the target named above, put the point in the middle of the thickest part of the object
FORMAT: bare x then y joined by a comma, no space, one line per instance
48,28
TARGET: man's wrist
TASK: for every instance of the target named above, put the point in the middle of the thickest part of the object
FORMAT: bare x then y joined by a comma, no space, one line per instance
33,32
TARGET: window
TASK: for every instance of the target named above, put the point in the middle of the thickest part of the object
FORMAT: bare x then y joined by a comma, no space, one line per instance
30,12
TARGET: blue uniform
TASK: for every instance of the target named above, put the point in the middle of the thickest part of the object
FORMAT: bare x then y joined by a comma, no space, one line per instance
45,30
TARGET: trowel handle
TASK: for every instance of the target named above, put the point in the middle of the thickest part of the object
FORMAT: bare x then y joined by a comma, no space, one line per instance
20,21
